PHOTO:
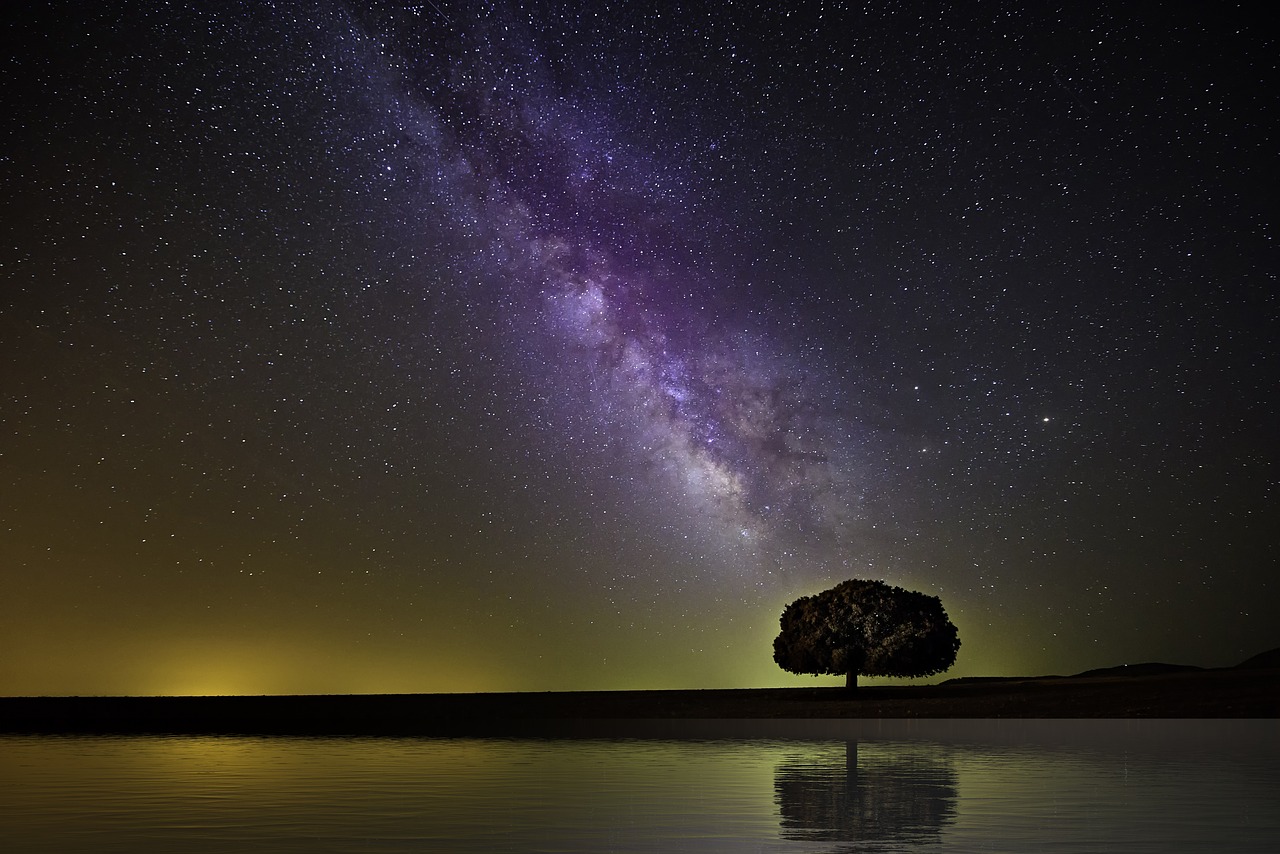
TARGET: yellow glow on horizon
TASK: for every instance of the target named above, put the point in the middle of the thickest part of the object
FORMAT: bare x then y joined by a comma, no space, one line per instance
243,667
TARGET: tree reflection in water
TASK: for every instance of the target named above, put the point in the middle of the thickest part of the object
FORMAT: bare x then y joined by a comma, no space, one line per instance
880,797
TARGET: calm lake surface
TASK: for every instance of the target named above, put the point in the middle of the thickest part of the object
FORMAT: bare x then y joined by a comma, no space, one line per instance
1055,786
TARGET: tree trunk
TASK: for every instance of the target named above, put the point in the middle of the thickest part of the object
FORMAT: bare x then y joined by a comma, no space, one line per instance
851,681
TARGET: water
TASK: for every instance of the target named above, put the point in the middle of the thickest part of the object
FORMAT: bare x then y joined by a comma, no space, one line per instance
1067,786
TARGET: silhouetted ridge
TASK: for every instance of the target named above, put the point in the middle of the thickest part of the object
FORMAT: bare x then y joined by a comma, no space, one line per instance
1150,668
1270,658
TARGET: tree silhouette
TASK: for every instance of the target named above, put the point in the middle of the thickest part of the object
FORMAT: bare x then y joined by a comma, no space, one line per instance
869,628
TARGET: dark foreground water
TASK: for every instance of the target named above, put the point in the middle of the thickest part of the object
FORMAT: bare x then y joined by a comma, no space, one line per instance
1068,786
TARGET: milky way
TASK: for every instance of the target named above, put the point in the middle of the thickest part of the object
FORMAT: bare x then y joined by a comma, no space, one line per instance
748,438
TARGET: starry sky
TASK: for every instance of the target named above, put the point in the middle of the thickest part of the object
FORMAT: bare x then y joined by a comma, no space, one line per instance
453,346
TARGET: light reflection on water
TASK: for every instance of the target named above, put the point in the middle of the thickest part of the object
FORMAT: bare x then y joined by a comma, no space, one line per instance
1068,786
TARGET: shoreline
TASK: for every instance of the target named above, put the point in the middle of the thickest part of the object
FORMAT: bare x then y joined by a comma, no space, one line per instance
1225,693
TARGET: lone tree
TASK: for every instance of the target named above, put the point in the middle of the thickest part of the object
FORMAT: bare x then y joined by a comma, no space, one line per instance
869,628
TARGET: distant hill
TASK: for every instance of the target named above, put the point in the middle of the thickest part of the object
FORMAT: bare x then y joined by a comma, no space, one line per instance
1262,661
1151,668
1270,658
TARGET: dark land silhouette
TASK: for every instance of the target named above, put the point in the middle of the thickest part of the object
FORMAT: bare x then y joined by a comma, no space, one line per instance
1150,690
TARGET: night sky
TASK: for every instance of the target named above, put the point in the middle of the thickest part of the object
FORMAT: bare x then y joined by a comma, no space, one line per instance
454,346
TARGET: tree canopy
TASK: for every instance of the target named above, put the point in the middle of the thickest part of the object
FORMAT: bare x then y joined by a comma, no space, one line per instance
869,628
